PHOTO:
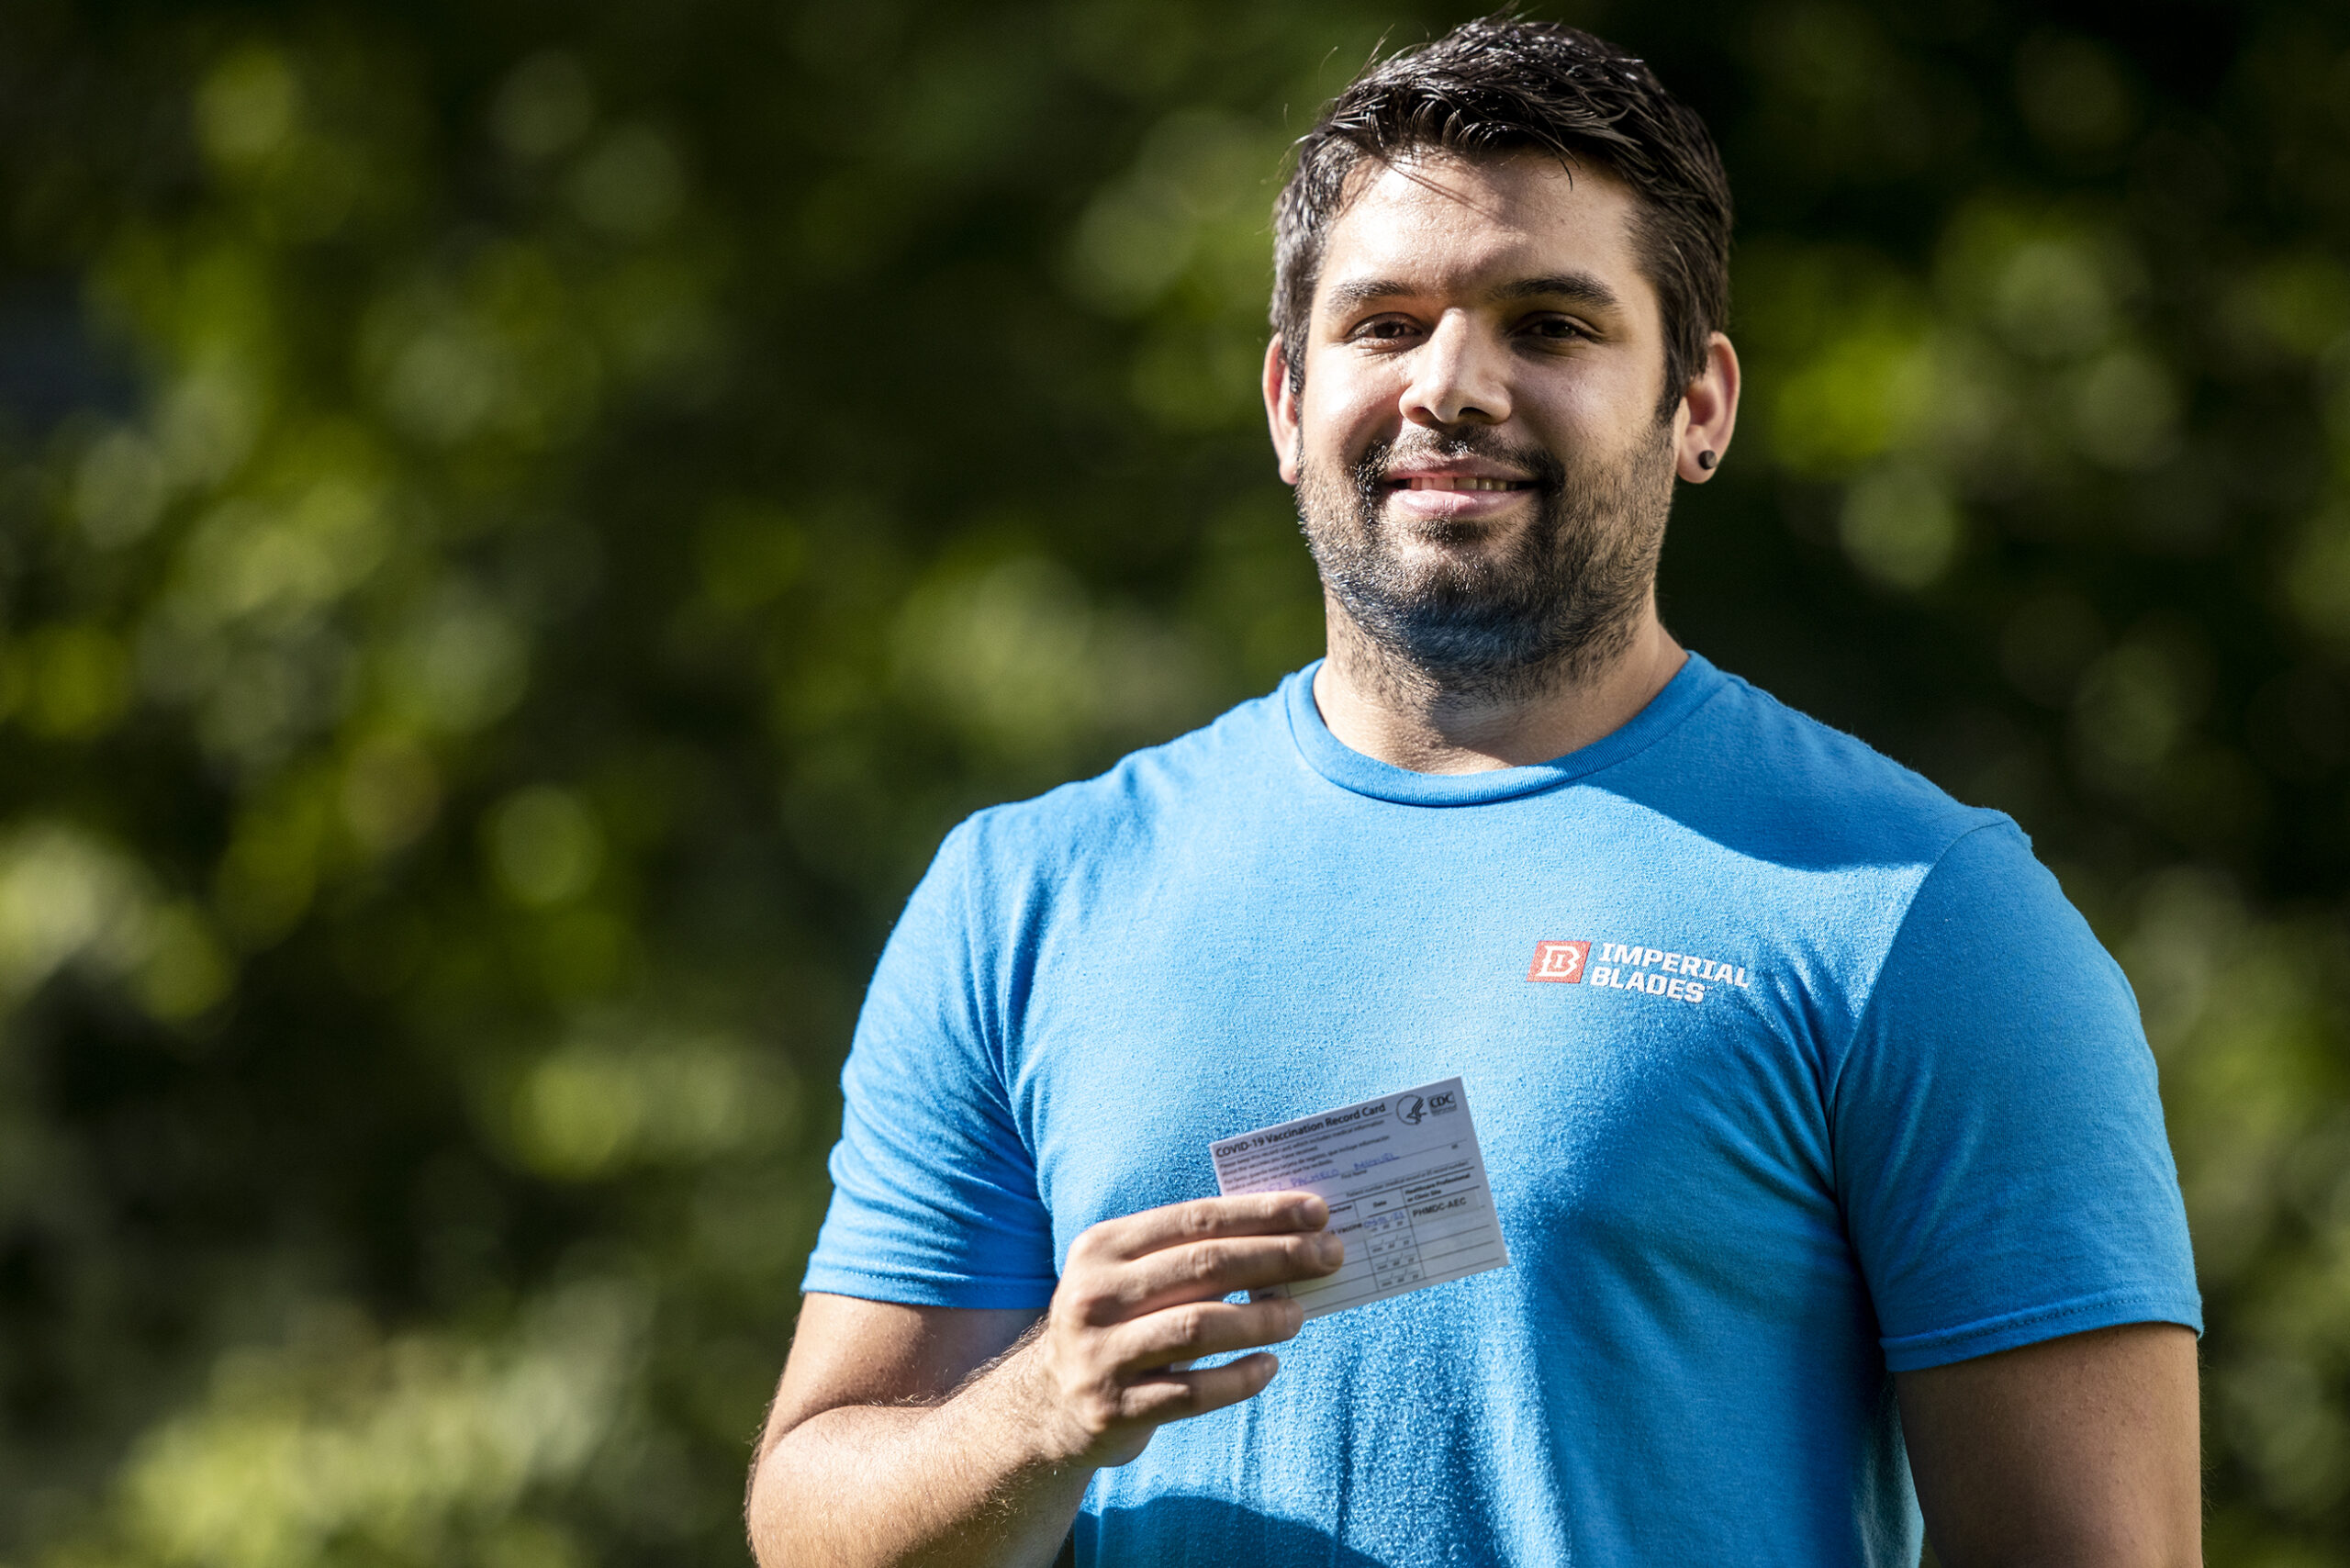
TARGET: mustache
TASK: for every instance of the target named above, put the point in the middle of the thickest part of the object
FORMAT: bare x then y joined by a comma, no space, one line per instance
1381,458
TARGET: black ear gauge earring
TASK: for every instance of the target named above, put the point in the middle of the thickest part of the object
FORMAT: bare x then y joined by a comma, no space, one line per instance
1706,460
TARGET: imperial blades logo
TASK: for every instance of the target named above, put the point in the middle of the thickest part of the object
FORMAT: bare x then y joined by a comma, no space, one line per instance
1683,977
1558,961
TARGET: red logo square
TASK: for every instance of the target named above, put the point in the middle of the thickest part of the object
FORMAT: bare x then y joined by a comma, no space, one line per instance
1560,961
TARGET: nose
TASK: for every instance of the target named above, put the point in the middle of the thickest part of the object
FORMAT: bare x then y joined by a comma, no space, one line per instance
1457,376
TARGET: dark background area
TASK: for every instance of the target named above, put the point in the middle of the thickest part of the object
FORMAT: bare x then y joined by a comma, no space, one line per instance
521,525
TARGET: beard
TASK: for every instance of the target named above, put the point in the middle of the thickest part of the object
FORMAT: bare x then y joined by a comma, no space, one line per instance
1562,600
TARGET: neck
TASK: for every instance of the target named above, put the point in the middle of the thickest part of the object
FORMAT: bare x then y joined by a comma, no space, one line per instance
1386,708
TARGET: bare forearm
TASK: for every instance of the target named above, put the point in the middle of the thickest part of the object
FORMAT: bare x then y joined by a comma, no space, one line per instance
2080,1451
965,1483
990,1475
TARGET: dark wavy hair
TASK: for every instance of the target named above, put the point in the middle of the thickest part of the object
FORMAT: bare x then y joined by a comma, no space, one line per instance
1502,84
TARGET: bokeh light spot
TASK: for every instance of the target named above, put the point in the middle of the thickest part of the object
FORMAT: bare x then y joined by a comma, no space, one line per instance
545,845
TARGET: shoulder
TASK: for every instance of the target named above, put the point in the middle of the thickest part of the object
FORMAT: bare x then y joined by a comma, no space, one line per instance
1135,802
1749,770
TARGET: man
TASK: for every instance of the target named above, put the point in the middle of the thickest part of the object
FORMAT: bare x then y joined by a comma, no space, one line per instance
1833,1160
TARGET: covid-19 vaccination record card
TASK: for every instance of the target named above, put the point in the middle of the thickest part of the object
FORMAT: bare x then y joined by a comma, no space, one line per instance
1405,1183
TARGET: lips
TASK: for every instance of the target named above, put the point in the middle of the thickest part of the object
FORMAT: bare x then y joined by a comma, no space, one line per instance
1457,482
1455,497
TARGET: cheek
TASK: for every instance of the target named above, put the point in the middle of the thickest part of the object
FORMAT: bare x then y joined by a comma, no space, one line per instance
1606,410
1346,408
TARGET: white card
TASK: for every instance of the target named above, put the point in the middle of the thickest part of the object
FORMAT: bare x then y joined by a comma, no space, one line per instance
1406,1182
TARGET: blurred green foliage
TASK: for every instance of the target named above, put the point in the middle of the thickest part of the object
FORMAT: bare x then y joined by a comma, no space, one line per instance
521,525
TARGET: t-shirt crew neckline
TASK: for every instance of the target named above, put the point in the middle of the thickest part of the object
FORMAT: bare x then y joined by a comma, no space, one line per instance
1696,681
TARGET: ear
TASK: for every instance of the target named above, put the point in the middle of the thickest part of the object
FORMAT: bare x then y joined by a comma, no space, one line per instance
1280,410
1708,412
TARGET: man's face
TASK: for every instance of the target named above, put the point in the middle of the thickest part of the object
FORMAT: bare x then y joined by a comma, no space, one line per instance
1480,464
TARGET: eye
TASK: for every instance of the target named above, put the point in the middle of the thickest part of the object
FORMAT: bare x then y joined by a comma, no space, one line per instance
1385,330
1558,330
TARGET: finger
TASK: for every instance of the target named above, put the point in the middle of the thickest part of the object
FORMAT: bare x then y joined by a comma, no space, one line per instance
1171,1396
1199,1328
1203,1219
1202,1271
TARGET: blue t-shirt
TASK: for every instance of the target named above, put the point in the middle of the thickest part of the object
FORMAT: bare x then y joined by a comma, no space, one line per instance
1841,1085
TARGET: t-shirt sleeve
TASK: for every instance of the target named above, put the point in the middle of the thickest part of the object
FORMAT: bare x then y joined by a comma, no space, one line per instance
934,1199
1998,1141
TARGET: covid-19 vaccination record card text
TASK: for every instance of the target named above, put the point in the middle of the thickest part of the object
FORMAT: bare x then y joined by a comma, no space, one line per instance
1406,1182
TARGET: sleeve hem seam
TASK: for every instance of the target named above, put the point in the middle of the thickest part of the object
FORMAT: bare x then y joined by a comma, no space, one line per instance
903,1290
2018,1328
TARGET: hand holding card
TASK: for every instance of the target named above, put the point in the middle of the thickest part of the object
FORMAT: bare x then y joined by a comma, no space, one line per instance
1406,1182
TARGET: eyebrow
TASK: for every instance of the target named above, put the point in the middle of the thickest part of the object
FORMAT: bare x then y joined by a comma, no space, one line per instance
1580,288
